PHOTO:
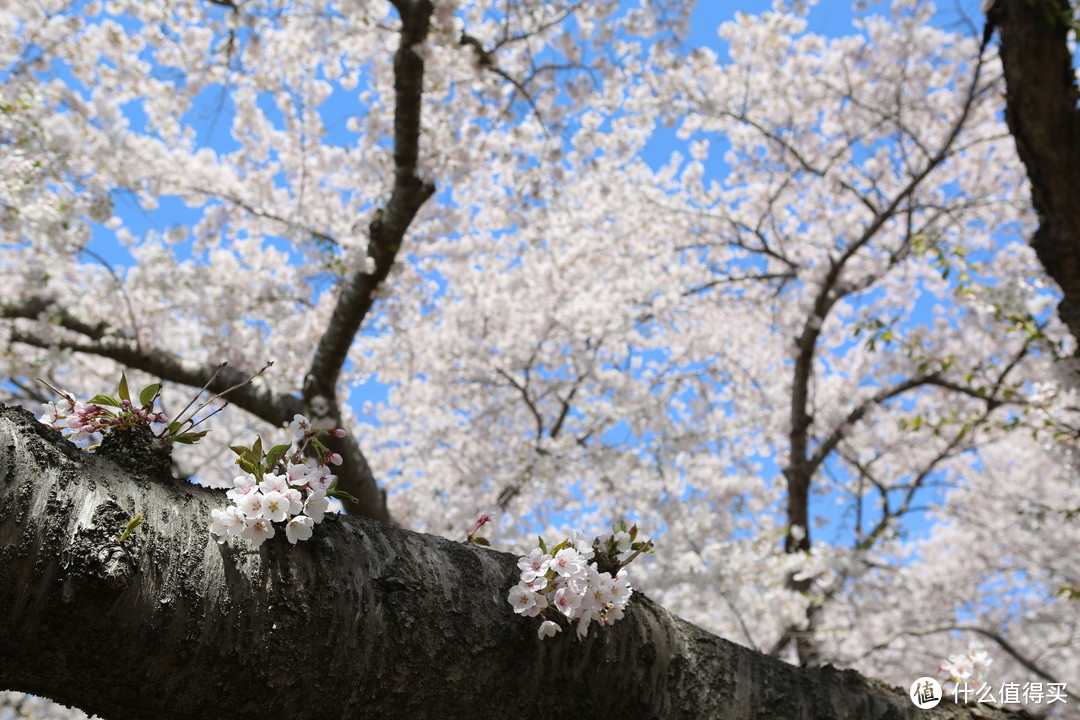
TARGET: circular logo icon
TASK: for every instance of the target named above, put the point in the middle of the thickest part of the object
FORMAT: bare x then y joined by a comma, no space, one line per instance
925,693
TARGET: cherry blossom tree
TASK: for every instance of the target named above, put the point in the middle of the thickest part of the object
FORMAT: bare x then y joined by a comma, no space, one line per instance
811,350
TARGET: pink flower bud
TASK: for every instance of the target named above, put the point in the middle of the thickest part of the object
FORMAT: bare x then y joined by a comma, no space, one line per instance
334,458
337,432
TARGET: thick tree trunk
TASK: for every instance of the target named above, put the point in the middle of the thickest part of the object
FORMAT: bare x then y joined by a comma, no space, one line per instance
1041,98
363,620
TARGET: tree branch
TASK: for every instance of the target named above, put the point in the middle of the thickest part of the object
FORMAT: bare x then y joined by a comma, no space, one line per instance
380,621
386,233
1043,114
988,634
392,220
258,397
825,448
800,465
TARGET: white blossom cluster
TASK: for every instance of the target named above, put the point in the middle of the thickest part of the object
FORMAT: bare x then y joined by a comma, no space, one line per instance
86,419
105,414
567,581
972,666
298,497
22,706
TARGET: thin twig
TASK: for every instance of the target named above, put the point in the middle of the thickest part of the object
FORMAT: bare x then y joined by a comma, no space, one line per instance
264,368
196,395
61,393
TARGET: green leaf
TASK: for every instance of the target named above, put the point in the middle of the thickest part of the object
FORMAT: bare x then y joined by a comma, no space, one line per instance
480,541
148,393
122,388
238,449
256,448
246,466
276,453
543,547
132,524
188,438
102,399
342,495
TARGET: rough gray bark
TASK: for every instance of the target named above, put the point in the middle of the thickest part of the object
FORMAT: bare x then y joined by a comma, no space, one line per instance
1041,109
363,620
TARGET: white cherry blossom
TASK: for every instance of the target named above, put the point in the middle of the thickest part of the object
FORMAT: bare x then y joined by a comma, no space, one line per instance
299,528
